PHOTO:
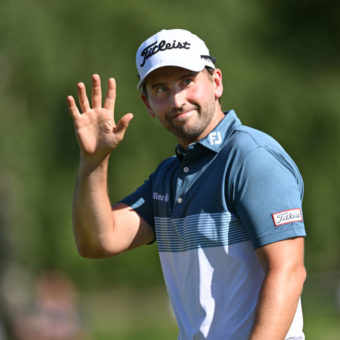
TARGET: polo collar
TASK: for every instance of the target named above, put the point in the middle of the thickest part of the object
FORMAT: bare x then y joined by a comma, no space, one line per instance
217,137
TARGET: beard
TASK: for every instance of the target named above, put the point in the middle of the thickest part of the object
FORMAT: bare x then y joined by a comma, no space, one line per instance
191,129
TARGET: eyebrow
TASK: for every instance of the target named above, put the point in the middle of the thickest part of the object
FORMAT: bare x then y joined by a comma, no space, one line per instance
157,85
188,74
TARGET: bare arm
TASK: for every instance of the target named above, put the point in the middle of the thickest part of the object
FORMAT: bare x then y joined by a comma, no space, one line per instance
100,229
281,289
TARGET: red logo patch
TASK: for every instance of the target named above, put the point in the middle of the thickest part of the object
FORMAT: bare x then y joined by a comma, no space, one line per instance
287,216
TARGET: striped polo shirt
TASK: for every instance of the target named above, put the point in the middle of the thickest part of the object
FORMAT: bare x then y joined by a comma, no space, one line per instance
211,205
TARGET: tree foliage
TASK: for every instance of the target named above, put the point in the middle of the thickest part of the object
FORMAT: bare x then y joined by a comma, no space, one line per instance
280,62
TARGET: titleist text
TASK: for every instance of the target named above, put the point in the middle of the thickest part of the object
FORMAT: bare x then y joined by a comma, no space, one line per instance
289,216
154,48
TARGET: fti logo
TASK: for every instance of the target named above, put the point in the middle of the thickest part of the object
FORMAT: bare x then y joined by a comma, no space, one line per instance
215,138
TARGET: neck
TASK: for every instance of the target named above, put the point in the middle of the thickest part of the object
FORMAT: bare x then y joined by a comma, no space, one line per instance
218,116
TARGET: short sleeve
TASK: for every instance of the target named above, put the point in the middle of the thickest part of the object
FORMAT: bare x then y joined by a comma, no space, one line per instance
141,202
268,198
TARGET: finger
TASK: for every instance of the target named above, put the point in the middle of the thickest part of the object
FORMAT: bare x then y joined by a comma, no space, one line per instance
82,97
123,125
110,98
96,92
73,107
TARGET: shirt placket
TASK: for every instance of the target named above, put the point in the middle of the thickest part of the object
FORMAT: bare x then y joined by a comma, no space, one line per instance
182,186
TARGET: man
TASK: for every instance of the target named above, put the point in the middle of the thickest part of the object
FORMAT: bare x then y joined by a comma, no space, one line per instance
225,211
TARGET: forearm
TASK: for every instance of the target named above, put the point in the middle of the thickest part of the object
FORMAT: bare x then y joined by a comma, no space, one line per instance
277,304
92,212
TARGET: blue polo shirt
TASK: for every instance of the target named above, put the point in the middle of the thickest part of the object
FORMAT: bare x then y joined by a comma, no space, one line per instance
211,206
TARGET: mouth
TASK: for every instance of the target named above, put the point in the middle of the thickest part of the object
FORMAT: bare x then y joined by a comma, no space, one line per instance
183,114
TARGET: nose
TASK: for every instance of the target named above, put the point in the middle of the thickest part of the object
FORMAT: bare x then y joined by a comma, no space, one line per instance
178,98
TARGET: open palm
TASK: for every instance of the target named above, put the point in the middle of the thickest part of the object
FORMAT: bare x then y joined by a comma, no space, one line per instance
96,130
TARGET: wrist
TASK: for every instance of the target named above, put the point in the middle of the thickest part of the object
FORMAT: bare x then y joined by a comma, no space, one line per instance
90,165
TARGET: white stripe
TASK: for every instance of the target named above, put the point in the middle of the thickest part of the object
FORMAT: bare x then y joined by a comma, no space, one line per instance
198,231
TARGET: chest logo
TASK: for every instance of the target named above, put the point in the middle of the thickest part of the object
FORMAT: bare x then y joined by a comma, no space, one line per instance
215,138
160,197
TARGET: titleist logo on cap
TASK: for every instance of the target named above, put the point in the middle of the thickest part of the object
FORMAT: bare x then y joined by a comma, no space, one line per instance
154,48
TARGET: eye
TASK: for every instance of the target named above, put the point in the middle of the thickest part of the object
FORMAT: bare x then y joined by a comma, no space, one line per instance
187,81
161,90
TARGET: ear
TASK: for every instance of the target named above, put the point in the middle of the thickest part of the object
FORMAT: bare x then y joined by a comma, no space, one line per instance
147,104
217,79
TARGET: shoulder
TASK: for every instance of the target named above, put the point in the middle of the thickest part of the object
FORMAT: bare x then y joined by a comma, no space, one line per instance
248,143
252,151
246,140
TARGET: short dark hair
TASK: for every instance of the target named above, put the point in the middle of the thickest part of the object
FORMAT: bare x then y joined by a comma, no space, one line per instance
210,70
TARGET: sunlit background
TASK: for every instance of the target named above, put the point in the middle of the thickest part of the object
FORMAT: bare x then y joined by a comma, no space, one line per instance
281,69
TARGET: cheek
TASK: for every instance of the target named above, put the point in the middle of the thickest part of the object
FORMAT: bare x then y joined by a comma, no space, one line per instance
158,106
197,91
201,93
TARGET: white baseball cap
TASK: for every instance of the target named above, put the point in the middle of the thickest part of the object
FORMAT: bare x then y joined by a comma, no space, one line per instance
174,47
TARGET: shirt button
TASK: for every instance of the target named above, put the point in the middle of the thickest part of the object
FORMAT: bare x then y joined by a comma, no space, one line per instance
180,200
186,169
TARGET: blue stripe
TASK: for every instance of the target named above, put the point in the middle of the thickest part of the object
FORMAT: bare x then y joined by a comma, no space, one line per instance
198,231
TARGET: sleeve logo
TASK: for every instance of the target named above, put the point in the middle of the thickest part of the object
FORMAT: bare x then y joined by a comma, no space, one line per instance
287,216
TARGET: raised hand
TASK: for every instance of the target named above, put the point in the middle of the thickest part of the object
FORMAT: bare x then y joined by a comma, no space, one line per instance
96,130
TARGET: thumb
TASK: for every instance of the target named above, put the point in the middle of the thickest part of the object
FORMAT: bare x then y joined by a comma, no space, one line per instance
123,125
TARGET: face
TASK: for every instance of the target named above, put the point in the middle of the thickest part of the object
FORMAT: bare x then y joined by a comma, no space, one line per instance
185,102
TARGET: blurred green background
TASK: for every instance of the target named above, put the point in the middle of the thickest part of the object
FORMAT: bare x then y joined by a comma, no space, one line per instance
280,62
